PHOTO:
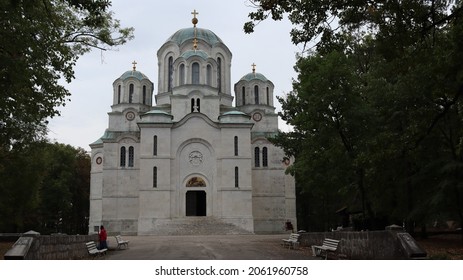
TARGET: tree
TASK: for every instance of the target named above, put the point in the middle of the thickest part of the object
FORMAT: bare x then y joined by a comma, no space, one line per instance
45,187
64,190
20,182
41,42
399,140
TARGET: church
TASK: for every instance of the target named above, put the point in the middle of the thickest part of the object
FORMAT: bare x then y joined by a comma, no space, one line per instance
193,158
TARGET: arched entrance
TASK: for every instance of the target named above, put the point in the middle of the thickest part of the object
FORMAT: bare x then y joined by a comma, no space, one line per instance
195,203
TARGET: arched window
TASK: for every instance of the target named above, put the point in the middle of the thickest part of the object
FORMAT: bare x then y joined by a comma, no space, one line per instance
256,157
131,155
235,144
192,105
155,145
243,95
256,94
170,73
118,94
198,105
264,157
182,74
144,95
195,73
155,177
219,74
237,177
209,75
130,93
268,96
123,156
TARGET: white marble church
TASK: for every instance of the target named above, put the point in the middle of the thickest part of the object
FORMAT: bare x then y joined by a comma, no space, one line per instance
194,158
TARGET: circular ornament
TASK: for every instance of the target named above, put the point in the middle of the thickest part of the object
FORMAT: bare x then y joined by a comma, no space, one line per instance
99,160
130,116
257,117
196,158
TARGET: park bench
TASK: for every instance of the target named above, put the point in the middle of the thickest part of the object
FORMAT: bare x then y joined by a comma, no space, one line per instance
329,245
121,242
93,250
292,241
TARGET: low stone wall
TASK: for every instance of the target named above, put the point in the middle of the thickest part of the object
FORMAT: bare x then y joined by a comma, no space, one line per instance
59,247
366,245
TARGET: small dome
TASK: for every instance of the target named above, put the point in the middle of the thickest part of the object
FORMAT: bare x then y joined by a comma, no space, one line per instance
186,34
133,74
236,113
156,112
254,76
191,53
234,116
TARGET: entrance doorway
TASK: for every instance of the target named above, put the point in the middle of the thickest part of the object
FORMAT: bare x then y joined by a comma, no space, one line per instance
196,203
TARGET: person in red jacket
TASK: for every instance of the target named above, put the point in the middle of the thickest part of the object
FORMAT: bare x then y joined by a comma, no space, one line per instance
103,236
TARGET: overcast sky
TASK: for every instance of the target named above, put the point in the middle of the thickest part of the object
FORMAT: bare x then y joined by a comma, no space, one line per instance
84,119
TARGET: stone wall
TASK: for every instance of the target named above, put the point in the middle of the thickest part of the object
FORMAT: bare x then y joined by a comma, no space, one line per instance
366,245
60,247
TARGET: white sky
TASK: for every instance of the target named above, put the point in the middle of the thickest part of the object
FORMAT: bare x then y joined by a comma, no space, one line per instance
84,119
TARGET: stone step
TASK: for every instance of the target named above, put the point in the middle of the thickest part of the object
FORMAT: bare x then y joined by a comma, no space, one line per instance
198,226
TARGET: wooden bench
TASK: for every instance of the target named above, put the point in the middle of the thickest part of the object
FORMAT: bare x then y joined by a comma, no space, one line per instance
292,241
93,250
121,242
329,245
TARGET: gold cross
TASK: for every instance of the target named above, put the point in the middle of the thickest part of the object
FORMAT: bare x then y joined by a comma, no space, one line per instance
134,63
194,20
253,67
194,13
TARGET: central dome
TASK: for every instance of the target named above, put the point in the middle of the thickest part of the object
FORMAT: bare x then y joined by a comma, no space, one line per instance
186,34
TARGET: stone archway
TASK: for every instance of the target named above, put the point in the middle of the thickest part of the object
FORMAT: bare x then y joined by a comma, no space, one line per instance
195,203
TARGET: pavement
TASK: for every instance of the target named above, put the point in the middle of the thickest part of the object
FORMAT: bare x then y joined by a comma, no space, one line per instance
206,247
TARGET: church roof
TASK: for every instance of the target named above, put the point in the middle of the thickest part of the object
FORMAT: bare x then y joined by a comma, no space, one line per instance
254,76
235,112
191,53
186,34
156,112
133,74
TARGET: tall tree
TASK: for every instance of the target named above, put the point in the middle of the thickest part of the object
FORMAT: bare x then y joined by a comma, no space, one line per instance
41,42
45,187
403,144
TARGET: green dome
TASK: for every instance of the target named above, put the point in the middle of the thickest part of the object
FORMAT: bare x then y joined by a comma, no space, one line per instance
234,113
133,74
191,53
254,76
156,112
186,34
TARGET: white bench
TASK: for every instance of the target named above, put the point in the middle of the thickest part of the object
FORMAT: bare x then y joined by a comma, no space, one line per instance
329,245
121,242
292,241
93,250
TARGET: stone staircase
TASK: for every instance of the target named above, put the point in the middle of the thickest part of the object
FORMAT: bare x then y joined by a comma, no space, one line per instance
197,226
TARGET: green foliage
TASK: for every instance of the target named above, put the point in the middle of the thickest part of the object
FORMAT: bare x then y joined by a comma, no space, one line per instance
376,107
45,187
41,42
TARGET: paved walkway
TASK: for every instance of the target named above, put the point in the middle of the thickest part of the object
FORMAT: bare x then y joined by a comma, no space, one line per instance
206,247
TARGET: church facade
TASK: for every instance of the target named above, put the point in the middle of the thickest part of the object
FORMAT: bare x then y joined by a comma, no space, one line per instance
194,156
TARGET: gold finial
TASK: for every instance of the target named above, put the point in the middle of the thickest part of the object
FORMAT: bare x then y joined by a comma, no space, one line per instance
195,44
194,20
134,65
253,68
